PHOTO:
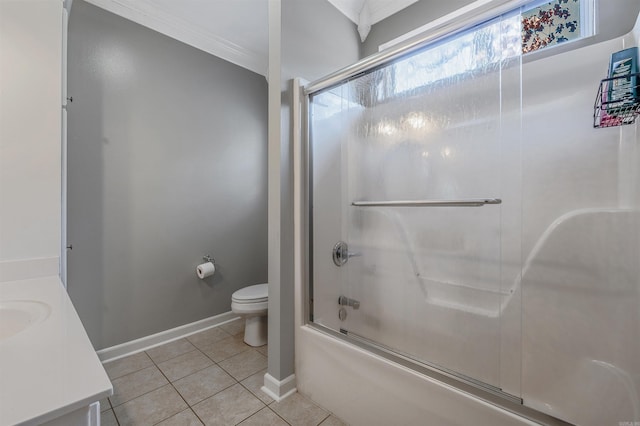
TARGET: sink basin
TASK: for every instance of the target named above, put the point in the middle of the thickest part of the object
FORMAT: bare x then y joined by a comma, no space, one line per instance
19,315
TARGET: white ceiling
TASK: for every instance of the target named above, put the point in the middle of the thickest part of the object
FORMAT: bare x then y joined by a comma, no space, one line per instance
235,30
378,9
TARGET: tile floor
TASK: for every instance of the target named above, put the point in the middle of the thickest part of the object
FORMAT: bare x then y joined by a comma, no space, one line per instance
209,378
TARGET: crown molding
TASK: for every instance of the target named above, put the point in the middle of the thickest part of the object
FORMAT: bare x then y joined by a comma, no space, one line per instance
148,15
386,9
378,10
349,8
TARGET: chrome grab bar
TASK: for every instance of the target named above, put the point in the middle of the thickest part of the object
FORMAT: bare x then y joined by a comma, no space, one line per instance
429,203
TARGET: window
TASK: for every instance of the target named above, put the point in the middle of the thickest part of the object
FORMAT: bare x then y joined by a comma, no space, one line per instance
543,23
552,23
470,53
535,26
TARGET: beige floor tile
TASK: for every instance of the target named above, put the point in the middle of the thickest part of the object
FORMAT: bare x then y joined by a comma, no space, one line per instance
107,418
254,384
184,418
202,384
133,385
333,421
264,417
204,339
150,408
299,411
229,407
105,404
226,348
185,364
234,328
264,350
130,364
170,350
244,364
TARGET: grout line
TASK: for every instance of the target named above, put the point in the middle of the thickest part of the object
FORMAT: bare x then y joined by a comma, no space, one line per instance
129,374
274,412
190,407
179,394
230,356
252,393
196,414
140,396
244,378
256,412
328,415
135,371
204,331
168,383
212,395
175,356
155,364
143,394
114,415
201,353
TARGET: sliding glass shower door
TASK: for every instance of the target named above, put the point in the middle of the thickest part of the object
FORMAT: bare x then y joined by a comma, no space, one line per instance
415,206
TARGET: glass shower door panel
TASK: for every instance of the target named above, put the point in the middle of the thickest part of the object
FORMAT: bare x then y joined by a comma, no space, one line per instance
331,119
429,279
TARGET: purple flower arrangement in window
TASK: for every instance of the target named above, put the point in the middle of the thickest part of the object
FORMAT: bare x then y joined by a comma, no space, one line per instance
552,23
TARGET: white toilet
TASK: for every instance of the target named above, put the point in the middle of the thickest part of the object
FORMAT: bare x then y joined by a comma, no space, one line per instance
252,302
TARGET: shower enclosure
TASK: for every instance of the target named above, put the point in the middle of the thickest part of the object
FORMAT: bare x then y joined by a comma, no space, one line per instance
466,220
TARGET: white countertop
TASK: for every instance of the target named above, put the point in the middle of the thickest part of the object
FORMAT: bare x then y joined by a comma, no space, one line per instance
51,368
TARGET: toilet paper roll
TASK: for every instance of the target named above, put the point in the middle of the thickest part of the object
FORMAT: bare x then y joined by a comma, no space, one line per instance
205,270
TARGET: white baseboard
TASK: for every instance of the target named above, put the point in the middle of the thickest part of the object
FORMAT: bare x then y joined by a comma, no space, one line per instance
148,342
279,389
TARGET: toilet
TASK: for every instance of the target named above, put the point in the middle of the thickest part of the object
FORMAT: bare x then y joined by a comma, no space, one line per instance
251,302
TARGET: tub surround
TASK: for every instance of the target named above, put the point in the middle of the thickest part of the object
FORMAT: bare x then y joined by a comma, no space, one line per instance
49,370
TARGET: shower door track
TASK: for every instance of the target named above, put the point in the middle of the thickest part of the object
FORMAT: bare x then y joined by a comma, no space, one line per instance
487,393
409,360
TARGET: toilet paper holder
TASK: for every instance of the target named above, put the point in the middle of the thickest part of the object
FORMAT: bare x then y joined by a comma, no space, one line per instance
208,258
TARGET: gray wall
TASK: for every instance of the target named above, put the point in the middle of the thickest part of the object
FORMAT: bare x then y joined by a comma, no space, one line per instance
167,162
316,39
414,16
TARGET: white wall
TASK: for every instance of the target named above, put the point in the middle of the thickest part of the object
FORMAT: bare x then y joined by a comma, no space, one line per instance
30,136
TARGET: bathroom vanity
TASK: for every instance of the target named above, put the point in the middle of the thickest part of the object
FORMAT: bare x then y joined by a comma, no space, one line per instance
49,371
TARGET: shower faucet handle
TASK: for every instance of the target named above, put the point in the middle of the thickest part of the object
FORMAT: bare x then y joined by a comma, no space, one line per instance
341,253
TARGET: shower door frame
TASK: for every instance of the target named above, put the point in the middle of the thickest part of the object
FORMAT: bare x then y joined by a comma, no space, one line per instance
302,92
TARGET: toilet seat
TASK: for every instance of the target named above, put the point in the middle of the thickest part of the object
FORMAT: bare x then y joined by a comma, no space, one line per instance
253,294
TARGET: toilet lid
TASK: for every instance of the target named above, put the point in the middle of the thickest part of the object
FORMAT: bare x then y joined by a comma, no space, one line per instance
252,294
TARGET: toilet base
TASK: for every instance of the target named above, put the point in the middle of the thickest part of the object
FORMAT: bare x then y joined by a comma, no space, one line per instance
255,330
